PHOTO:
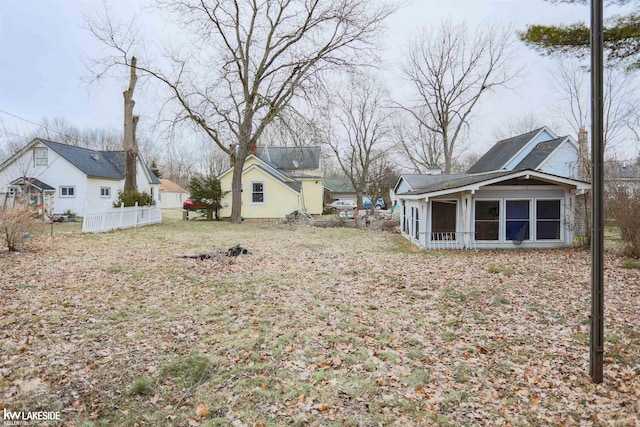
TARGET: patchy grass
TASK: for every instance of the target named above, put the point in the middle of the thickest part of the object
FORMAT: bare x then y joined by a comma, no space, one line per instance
318,326
630,263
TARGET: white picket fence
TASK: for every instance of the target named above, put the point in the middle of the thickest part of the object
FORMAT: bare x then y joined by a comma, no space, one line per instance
115,218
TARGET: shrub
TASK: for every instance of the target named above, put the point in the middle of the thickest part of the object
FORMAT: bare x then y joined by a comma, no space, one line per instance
624,209
14,222
130,198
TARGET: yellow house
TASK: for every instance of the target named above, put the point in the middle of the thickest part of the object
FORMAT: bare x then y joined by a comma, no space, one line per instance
277,181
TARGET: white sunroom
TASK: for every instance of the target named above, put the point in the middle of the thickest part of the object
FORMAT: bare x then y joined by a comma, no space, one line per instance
501,209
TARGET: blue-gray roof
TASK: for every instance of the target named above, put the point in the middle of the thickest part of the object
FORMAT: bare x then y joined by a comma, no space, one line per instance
431,183
94,163
35,182
540,152
290,158
501,152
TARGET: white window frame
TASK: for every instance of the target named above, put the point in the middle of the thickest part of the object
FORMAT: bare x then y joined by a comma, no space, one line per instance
253,202
455,230
105,192
40,160
531,217
500,218
67,187
535,223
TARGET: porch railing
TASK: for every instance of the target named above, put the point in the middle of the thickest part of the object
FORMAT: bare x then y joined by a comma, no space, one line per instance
451,240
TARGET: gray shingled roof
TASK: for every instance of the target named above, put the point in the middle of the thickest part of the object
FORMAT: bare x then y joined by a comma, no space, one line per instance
339,185
34,182
297,186
501,152
418,181
291,158
447,182
93,163
539,153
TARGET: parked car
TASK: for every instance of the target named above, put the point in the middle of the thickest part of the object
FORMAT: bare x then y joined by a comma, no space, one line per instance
343,205
367,204
191,205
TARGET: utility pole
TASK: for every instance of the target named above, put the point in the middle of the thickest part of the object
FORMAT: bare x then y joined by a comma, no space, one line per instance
596,360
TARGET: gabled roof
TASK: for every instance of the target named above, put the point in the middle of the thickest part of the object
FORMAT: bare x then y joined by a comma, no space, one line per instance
503,151
94,163
540,152
290,158
472,182
168,185
293,185
339,185
34,182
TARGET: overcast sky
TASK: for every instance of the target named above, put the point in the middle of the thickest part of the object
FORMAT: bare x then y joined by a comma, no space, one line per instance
43,45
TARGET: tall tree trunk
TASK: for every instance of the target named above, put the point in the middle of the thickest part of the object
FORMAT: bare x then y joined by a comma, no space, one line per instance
130,125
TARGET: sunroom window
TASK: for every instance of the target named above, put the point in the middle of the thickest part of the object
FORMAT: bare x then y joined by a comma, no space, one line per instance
518,218
548,219
487,219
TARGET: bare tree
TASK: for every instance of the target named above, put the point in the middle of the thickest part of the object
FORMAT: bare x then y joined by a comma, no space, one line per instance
517,126
362,128
450,70
245,61
572,83
417,144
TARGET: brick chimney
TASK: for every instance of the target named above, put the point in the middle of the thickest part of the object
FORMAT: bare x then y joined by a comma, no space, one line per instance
584,160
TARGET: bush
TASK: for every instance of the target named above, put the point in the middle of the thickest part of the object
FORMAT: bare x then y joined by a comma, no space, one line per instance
14,222
130,198
624,209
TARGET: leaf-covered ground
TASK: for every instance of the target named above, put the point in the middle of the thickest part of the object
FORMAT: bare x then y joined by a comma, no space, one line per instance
316,327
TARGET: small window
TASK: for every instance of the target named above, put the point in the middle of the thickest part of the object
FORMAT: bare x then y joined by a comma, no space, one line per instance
487,220
40,156
105,191
548,219
517,224
67,191
257,192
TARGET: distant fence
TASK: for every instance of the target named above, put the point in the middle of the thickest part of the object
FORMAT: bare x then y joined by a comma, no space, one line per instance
115,218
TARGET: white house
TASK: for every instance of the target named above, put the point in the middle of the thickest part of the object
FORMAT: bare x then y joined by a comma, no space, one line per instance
521,194
63,178
172,196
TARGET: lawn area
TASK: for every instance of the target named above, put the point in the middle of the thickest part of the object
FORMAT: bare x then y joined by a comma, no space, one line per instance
317,326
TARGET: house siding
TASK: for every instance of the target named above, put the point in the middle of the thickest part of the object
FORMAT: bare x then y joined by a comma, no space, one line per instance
562,162
312,193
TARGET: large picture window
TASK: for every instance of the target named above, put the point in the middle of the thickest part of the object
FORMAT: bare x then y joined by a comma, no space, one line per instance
443,219
518,218
487,220
257,192
548,219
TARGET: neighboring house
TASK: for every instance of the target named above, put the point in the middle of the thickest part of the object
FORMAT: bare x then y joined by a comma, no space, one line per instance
623,174
72,179
172,196
277,181
339,189
527,200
